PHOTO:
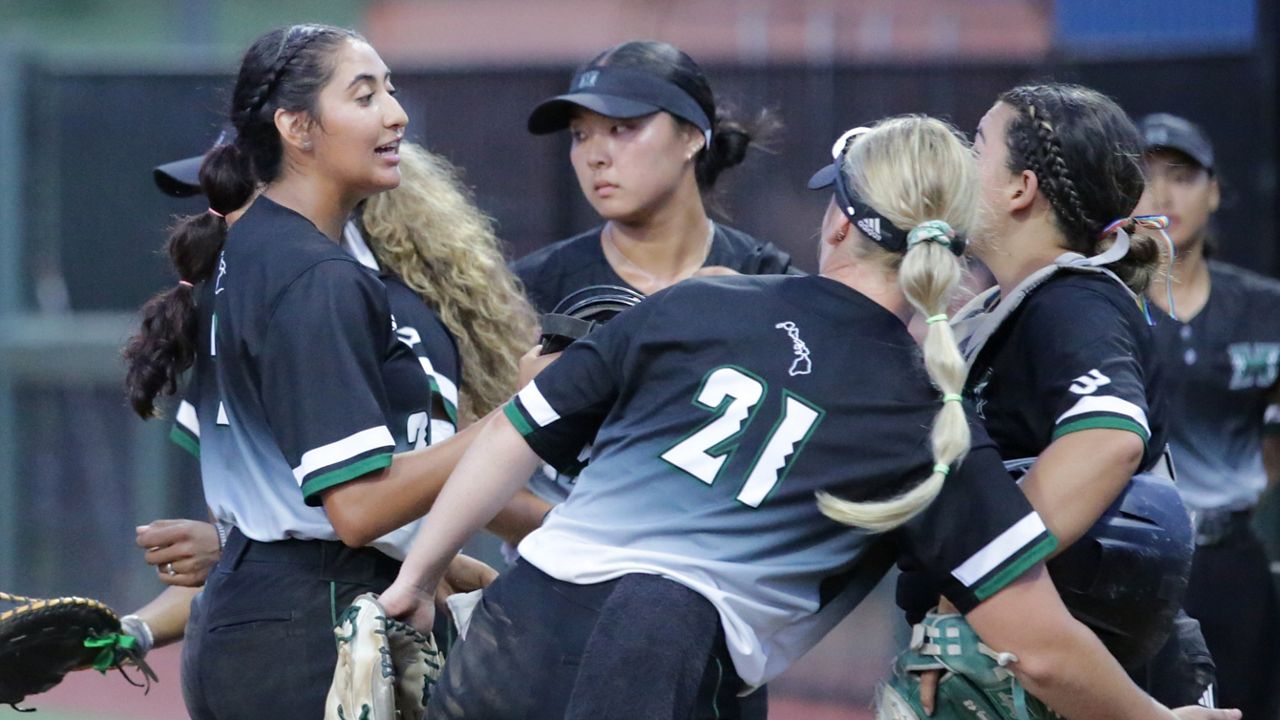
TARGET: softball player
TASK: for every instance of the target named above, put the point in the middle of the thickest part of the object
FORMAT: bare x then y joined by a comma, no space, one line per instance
425,226
1222,353
1062,366
720,406
304,475
648,142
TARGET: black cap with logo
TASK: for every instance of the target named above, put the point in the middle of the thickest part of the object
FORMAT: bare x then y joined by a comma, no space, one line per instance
1163,131
617,93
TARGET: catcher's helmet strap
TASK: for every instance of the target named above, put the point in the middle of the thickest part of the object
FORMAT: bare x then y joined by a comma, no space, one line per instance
567,326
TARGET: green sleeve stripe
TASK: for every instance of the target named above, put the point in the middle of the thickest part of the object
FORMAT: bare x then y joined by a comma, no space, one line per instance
1041,550
312,487
517,418
1106,422
185,440
449,408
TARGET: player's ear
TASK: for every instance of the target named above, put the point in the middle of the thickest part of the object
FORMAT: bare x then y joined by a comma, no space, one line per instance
294,127
1022,190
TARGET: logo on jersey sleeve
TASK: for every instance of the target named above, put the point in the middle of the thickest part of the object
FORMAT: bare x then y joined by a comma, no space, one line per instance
802,365
1254,365
1089,383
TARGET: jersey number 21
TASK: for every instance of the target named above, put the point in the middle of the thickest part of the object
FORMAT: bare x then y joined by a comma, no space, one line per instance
733,395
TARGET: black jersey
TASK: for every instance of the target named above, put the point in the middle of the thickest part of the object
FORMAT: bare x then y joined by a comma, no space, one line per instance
1221,368
719,407
1077,354
554,272
312,384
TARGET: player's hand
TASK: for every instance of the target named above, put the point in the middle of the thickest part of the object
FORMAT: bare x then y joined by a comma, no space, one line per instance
1195,712
464,574
532,363
715,271
182,551
409,603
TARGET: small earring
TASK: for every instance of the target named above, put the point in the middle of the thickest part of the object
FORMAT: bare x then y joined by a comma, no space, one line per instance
306,144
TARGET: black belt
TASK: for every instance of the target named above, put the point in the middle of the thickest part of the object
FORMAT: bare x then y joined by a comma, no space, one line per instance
1217,524
329,559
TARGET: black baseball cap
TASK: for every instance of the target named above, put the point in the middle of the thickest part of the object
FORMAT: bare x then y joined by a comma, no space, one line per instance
1162,131
617,93
181,178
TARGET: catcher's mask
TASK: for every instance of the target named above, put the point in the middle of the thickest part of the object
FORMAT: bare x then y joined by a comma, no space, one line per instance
1126,577
581,312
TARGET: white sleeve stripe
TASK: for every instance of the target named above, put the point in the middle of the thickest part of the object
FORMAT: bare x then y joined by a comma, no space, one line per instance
447,387
1005,546
540,411
187,418
344,449
1107,404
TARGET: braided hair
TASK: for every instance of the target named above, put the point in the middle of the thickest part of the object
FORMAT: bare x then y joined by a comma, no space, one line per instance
1087,158
283,69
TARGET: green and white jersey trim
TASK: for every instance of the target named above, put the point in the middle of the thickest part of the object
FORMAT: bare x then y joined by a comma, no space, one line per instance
348,448
442,386
1005,558
186,429
1103,411
529,409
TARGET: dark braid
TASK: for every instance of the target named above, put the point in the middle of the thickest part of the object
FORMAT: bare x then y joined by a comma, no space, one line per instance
1086,155
284,68
1056,177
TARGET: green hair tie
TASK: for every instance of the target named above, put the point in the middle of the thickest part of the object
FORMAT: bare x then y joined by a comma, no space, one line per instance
952,397
940,468
935,319
937,231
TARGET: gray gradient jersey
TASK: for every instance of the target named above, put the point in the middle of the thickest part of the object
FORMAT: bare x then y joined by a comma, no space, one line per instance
1221,369
720,407
313,380
556,271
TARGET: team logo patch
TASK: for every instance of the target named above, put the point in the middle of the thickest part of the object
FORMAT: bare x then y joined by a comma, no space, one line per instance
1254,365
587,79
802,365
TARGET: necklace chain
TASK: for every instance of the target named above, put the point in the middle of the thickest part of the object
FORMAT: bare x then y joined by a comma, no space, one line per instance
612,243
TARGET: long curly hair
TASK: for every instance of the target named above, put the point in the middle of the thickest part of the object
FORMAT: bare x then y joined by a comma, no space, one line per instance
429,232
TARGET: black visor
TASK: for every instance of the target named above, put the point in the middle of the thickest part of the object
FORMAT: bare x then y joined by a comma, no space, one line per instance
617,93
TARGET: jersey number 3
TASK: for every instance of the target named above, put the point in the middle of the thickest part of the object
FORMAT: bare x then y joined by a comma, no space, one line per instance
733,395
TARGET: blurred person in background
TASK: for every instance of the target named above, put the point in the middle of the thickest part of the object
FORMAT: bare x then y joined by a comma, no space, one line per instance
1220,341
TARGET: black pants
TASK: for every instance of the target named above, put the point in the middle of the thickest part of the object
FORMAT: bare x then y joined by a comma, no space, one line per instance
259,643
539,648
1232,596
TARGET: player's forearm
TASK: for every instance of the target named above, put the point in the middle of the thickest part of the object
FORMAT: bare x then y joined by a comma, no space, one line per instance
1077,478
166,615
492,471
1076,676
1059,661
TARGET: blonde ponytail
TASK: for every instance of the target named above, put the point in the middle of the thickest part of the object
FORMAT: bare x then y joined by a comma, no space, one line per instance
918,173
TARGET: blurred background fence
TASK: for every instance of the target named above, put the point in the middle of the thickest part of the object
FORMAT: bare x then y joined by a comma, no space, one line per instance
95,94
